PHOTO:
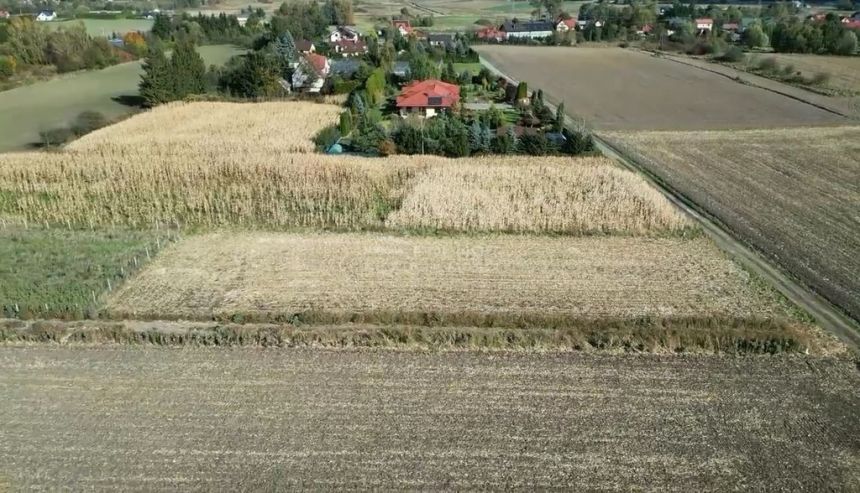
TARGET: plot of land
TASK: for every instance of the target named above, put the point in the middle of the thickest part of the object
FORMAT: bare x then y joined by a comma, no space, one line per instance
617,89
379,278
844,71
156,419
559,195
27,110
793,194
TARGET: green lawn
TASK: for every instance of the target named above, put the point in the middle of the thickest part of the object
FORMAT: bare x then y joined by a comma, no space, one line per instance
473,68
105,27
27,110
63,269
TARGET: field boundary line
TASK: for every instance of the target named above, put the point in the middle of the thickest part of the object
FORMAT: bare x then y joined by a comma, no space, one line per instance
827,315
750,83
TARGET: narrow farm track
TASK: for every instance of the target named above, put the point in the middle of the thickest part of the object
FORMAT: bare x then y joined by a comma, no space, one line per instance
828,316
118,418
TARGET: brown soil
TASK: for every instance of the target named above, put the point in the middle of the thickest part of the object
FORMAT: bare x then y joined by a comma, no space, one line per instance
251,420
617,89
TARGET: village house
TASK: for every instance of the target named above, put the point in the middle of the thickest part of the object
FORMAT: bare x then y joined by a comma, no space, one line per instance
304,46
311,72
405,27
565,25
46,15
446,40
528,29
704,24
343,33
426,98
4,14
350,48
490,33
646,29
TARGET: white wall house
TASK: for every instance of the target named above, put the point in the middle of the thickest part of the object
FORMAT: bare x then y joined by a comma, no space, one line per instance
46,15
310,74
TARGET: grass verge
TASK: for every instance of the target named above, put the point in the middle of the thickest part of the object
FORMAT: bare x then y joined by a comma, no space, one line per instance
638,337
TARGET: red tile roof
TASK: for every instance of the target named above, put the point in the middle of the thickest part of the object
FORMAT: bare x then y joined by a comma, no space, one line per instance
418,94
318,62
406,25
571,23
344,46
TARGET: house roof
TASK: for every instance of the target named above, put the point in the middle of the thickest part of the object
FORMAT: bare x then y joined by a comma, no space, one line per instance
304,45
852,24
444,37
318,62
571,23
517,26
351,46
704,20
429,93
46,12
406,25
490,32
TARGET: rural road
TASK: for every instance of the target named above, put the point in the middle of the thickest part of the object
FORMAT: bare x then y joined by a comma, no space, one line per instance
131,418
825,314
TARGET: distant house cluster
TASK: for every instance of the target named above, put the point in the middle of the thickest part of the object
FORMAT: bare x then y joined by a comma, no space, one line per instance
346,41
515,29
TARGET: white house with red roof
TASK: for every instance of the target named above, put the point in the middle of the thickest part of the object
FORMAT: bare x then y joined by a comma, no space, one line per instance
4,14
311,72
565,25
405,27
704,24
491,33
427,98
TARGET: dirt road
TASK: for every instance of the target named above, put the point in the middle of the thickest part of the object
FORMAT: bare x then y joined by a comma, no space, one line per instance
617,89
199,419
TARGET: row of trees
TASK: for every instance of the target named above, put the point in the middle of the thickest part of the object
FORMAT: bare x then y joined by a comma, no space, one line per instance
793,36
207,29
171,79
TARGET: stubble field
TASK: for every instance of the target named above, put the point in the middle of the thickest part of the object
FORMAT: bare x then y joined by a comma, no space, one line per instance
506,279
618,89
793,194
204,419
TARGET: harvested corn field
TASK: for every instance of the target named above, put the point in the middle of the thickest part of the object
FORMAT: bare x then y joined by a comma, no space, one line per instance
232,128
558,195
792,194
123,419
493,280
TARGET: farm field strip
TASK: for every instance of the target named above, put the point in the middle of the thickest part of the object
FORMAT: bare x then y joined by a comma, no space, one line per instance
761,186
213,419
379,278
617,89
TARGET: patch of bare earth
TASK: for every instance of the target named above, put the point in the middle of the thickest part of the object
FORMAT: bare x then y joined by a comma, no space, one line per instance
249,419
793,194
618,89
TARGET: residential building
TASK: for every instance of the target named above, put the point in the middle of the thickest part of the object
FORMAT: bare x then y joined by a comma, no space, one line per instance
491,33
565,25
405,27
704,24
311,72
4,14
46,15
528,29
304,46
446,40
343,33
426,98
350,48
731,27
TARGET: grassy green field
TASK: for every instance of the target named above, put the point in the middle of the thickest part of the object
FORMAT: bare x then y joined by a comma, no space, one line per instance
105,27
27,110
62,273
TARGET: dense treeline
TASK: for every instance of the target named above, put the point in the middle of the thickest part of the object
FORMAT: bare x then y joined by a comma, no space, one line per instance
26,45
175,78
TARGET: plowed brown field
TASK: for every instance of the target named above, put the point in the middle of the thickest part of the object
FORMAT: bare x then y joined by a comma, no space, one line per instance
260,420
617,89
792,194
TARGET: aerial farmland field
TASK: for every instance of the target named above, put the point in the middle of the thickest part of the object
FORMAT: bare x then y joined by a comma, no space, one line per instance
793,194
257,420
618,89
